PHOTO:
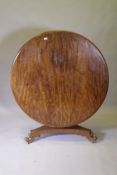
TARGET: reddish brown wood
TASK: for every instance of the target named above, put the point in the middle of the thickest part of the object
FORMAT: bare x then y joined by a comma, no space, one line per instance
59,78
67,130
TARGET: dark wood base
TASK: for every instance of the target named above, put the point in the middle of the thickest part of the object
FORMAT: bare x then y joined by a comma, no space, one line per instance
67,130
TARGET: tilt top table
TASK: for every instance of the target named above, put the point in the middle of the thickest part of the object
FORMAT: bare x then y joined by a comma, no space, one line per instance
59,79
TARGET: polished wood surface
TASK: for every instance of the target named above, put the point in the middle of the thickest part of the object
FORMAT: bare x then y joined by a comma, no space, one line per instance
59,78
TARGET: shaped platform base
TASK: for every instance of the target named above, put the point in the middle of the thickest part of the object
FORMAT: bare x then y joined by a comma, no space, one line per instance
43,130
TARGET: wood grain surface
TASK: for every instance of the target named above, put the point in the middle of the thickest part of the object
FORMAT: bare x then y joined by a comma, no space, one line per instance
59,78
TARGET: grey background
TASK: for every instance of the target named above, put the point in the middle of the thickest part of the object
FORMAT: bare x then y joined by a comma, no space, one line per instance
57,154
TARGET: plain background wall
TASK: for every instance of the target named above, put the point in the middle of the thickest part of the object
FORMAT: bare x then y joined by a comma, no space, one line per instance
22,19
59,154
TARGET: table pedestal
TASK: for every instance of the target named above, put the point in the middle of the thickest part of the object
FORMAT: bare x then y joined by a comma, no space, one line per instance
43,130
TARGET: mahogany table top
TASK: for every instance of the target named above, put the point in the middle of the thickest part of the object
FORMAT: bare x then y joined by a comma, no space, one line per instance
59,78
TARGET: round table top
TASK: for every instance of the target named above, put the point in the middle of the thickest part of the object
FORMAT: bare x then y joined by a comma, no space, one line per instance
59,78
